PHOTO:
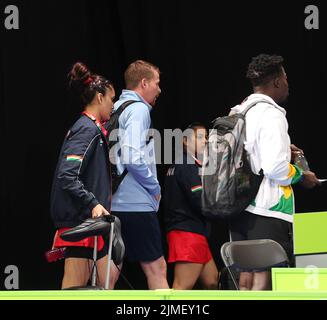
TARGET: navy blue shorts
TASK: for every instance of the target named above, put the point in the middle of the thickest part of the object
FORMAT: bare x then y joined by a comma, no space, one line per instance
141,235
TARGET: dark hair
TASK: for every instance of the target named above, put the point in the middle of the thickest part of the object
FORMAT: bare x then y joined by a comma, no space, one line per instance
195,125
85,84
137,71
264,68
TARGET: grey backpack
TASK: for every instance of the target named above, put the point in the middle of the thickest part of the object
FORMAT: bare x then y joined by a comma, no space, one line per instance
229,185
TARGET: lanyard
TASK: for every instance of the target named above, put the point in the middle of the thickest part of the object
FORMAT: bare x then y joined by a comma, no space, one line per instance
197,161
97,123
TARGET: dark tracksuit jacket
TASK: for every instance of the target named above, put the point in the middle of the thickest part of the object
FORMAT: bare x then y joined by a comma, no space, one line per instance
182,199
82,177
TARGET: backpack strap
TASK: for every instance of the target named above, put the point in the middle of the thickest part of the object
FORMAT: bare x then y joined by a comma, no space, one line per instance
113,121
254,103
120,110
123,106
117,113
245,111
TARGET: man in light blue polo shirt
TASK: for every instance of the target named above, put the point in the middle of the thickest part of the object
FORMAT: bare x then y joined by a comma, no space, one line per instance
137,198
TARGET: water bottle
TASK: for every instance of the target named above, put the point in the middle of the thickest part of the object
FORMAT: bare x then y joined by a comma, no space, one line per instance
301,161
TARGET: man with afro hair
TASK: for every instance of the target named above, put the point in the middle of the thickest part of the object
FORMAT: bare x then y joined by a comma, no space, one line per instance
269,149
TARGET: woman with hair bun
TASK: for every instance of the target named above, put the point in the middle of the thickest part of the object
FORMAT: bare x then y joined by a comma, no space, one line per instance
82,186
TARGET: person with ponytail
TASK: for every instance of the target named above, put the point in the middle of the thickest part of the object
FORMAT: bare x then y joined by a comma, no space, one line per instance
82,186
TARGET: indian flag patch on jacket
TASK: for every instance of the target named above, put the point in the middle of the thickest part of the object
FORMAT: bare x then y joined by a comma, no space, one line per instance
196,188
74,157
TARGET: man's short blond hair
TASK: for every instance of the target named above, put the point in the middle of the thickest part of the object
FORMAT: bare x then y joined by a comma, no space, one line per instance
137,71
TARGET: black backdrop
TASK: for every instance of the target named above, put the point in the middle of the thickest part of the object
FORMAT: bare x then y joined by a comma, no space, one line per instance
202,49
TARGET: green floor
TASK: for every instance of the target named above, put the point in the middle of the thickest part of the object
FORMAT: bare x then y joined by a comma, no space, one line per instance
161,295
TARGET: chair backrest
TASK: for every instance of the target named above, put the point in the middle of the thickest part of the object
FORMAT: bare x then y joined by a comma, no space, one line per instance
253,255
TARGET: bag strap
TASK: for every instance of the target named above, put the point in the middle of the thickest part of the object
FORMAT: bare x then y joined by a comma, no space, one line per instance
254,103
117,113
123,106
245,111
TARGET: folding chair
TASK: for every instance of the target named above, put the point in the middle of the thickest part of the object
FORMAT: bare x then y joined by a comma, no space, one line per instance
102,226
252,256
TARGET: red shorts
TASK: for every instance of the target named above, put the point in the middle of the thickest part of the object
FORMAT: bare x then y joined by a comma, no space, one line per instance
188,247
86,243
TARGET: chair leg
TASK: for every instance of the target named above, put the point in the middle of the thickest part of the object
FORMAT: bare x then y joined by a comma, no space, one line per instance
94,269
233,278
109,255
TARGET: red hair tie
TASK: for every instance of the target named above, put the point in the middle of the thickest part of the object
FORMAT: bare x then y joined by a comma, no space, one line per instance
88,80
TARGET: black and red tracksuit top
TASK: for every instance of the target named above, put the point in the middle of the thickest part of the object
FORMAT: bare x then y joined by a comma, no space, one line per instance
182,198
